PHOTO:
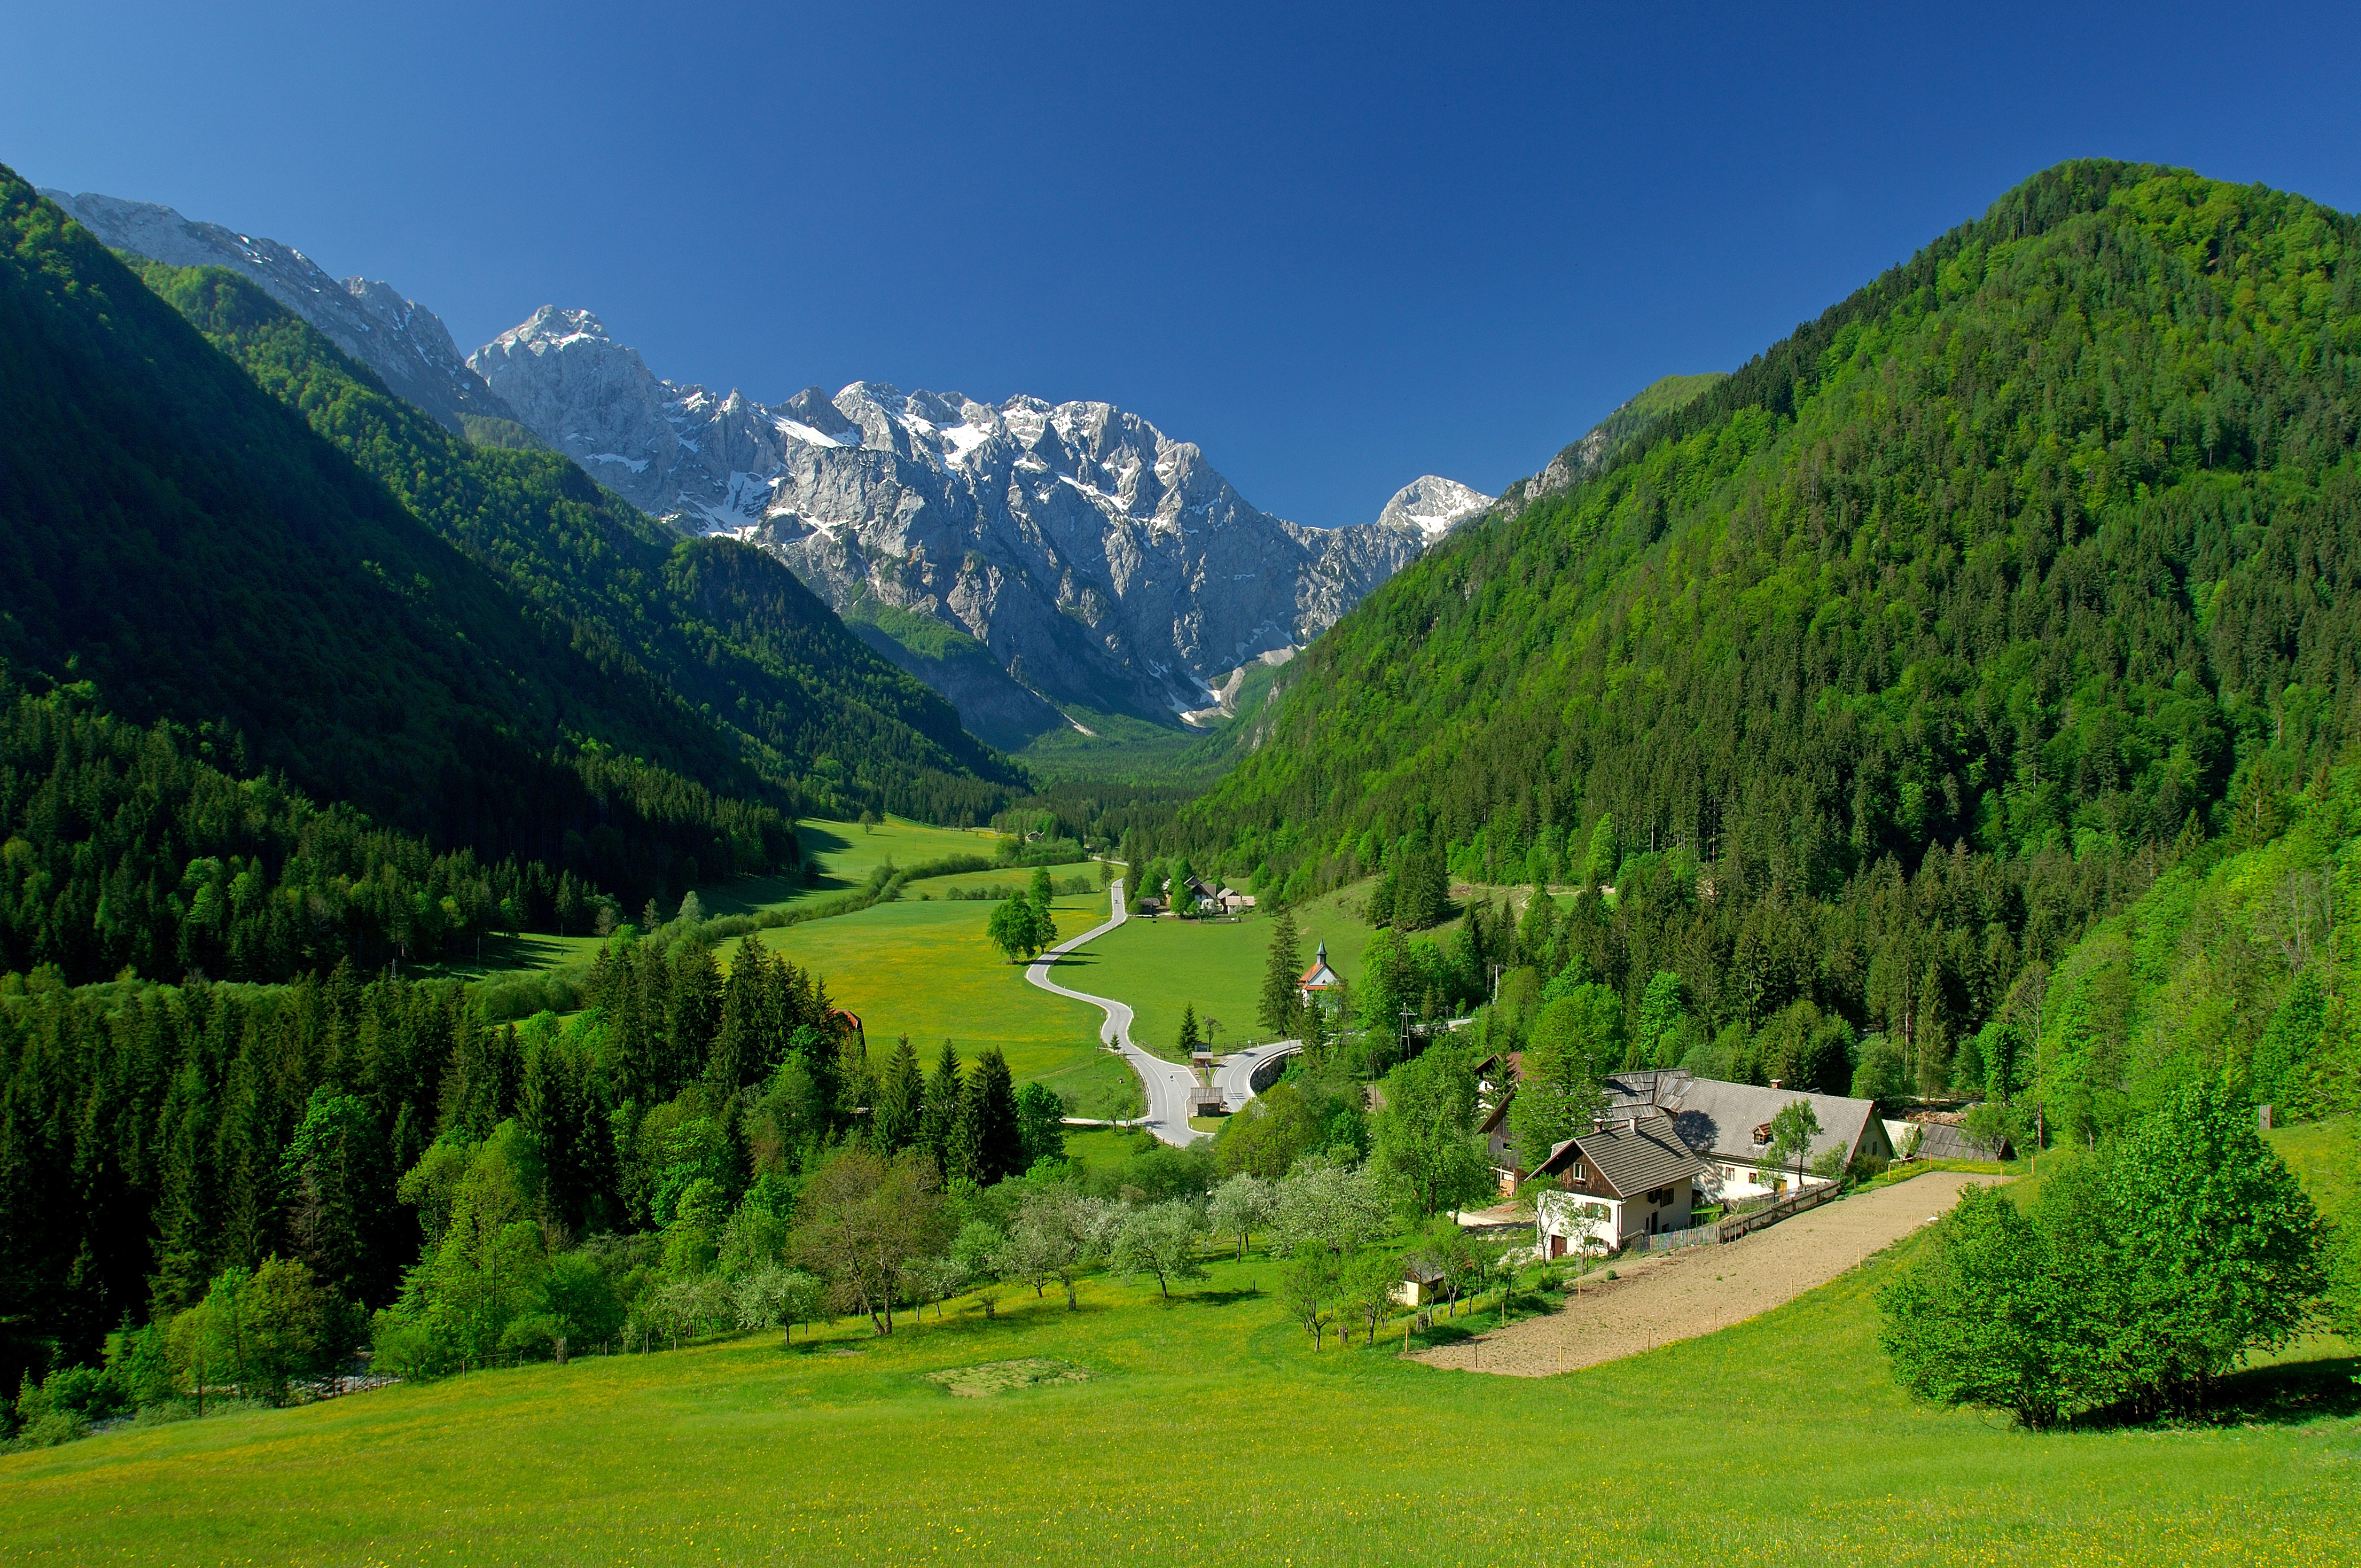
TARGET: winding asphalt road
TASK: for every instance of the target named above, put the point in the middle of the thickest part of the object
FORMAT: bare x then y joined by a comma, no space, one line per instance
1167,1084
1234,1075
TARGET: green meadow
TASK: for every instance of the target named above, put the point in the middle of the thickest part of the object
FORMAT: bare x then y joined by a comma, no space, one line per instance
846,855
926,969
1205,1430
1161,966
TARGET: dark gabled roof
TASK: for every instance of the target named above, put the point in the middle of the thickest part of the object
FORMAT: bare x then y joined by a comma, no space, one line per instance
1631,1157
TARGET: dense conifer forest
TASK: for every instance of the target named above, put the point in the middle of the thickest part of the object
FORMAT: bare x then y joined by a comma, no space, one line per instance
1870,680
125,851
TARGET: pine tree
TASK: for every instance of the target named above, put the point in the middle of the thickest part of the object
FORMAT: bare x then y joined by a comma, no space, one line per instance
1282,970
990,1146
1190,1039
900,1101
693,1016
737,1057
938,1121
182,1261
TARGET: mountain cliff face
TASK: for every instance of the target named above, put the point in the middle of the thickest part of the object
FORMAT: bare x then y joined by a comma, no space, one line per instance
406,343
1101,565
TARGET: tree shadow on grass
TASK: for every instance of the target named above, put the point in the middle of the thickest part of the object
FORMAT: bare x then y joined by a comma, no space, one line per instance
1218,1298
2285,1395
1444,1332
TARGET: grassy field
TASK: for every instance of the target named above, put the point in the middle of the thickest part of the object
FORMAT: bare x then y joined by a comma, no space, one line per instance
1160,966
2327,1155
1017,878
846,856
1203,1431
926,969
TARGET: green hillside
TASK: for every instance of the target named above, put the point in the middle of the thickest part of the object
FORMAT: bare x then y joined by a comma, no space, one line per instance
2239,958
179,546
727,628
1872,675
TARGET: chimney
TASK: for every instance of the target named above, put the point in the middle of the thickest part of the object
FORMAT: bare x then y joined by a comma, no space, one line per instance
1632,1125
1774,1084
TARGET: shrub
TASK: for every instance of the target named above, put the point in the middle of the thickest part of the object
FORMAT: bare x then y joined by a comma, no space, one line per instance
2135,1279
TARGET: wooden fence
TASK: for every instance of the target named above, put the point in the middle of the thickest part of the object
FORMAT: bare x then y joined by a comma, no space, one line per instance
1668,1241
1755,1220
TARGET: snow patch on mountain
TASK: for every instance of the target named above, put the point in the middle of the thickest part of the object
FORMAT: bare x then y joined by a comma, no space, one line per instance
1103,564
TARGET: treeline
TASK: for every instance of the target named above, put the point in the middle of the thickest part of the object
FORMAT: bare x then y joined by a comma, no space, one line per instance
153,1136
1876,676
126,850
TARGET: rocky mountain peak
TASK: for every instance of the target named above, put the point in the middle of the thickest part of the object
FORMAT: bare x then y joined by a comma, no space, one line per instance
406,343
1102,566
1434,505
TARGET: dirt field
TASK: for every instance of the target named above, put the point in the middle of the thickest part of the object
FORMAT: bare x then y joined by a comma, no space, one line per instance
1680,1295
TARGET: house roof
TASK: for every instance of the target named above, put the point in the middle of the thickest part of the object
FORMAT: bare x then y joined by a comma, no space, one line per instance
1719,1119
1941,1137
1630,1155
1646,1086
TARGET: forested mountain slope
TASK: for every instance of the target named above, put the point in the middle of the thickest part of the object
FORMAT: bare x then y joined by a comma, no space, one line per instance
183,543
1894,660
1581,459
2240,958
720,624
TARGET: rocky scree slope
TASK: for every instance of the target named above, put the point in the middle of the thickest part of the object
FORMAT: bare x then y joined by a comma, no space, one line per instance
1023,558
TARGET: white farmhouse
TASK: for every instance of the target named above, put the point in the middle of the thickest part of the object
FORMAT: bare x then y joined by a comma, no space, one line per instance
1633,1177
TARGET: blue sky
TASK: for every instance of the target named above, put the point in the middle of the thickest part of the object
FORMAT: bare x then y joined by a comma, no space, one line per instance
1336,247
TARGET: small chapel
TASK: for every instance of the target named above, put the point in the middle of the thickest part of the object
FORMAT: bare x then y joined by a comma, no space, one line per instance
1320,983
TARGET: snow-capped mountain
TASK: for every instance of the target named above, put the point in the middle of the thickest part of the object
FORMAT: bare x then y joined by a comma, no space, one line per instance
1104,565
1434,505
401,340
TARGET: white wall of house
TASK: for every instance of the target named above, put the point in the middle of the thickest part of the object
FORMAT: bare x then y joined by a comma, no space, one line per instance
1554,1219
1554,1216
1727,1181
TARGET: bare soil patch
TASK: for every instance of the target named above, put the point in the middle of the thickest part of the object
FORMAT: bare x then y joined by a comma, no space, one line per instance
1680,1295
1001,1376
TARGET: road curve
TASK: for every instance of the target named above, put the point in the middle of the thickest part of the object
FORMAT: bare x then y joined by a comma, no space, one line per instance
1167,1084
1234,1076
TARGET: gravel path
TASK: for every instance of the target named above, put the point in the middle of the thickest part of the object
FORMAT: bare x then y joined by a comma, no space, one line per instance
1680,1295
